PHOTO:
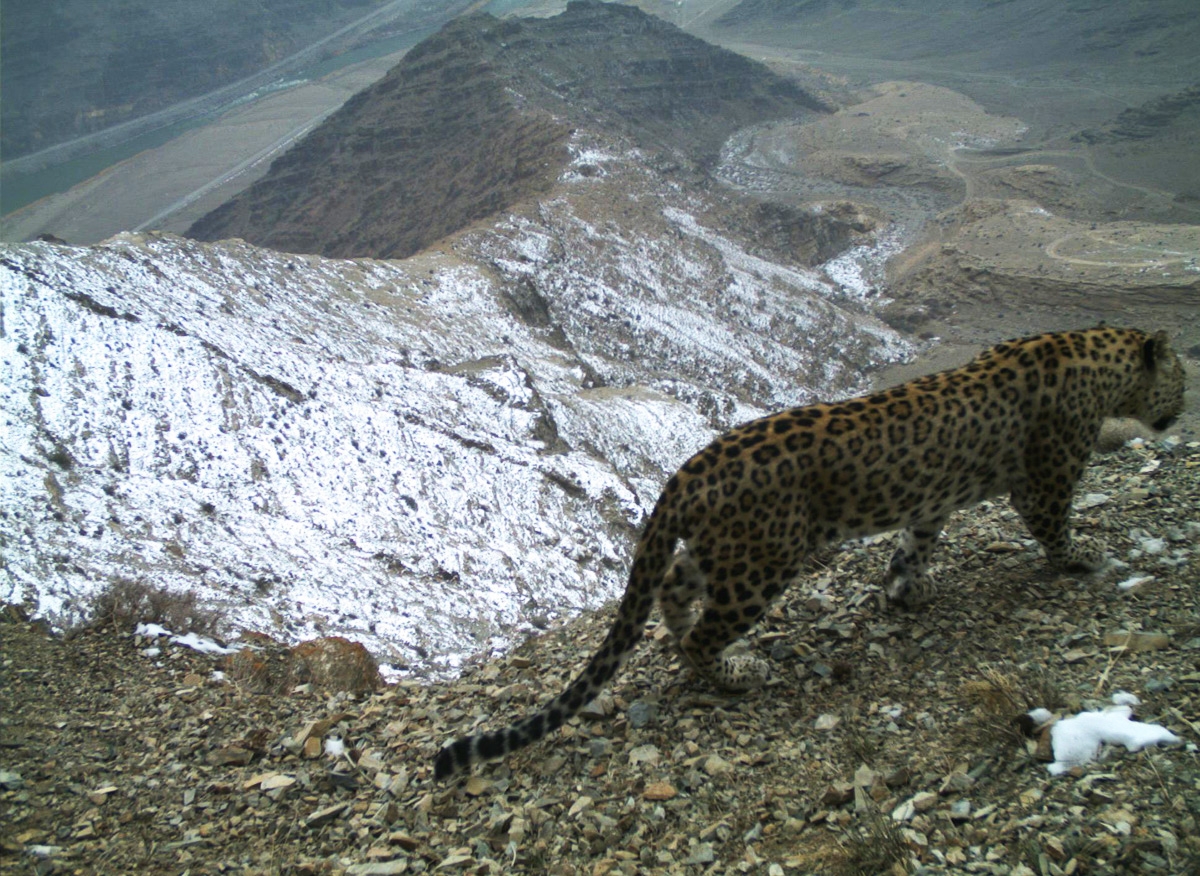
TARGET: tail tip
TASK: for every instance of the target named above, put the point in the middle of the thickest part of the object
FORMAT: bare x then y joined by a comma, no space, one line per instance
443,765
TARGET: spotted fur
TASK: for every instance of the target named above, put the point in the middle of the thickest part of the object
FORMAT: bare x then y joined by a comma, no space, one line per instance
734,525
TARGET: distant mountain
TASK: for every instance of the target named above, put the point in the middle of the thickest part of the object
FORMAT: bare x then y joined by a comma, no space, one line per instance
1137,40
478,117
1121,76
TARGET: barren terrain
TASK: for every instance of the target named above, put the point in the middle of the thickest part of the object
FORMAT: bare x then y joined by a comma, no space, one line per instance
997,237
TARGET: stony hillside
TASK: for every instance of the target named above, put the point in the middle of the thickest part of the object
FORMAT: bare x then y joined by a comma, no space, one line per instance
887,742
476,119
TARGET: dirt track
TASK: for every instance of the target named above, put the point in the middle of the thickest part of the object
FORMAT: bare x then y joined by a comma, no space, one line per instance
168,188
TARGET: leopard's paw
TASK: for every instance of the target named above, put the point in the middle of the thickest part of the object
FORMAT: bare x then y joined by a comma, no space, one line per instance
1084,555
742,673
909,590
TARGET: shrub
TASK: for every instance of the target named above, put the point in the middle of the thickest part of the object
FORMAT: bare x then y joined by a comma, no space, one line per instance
124,604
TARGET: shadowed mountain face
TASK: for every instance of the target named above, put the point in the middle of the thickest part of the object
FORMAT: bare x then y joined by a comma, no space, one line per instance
477,117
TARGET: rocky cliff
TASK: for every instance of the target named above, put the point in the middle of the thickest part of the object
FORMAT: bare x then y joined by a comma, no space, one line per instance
477,118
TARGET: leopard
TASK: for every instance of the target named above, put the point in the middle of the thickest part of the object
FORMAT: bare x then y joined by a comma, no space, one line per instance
740,519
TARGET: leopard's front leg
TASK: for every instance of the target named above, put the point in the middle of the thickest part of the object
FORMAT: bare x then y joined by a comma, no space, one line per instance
1046,509
907,582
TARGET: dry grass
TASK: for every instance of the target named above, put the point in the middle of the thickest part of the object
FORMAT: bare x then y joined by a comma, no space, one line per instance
125,603
878,847
1006,694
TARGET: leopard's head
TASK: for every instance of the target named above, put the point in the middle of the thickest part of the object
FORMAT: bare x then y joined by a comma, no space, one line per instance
1162,400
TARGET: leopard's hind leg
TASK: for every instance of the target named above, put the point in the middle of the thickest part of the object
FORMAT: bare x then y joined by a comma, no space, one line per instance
683,584
739,593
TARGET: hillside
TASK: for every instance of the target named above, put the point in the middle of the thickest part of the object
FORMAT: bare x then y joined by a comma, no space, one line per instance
362,447
477,119
887,743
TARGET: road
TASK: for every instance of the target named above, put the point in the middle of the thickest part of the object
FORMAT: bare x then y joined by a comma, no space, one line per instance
159,219
170,187
205,103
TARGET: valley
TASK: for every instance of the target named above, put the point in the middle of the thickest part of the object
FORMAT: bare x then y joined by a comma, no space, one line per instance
397,360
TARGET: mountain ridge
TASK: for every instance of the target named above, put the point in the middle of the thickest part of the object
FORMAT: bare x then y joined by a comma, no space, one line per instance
475,120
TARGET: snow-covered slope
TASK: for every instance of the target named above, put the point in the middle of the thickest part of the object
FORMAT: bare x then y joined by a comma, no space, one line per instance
421,455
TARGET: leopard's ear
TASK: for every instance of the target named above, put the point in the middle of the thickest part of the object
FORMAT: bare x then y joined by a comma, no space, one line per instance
1155,350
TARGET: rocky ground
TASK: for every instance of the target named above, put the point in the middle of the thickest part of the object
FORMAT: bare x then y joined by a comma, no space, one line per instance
887,742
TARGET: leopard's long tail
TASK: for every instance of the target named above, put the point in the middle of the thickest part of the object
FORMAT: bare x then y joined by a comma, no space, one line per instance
651,560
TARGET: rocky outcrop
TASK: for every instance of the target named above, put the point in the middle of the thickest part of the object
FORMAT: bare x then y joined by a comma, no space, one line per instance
477,117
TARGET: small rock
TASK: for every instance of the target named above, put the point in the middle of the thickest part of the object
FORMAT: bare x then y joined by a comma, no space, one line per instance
322,817
276,782
1091,500
601,707
715,765
924,801
659,791
1153,546
1137,640
582,804
477,785
372,761
644,754
838,794
1136,584
826,722
404,841
956,783
641,713
233,755
904,812
378,868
